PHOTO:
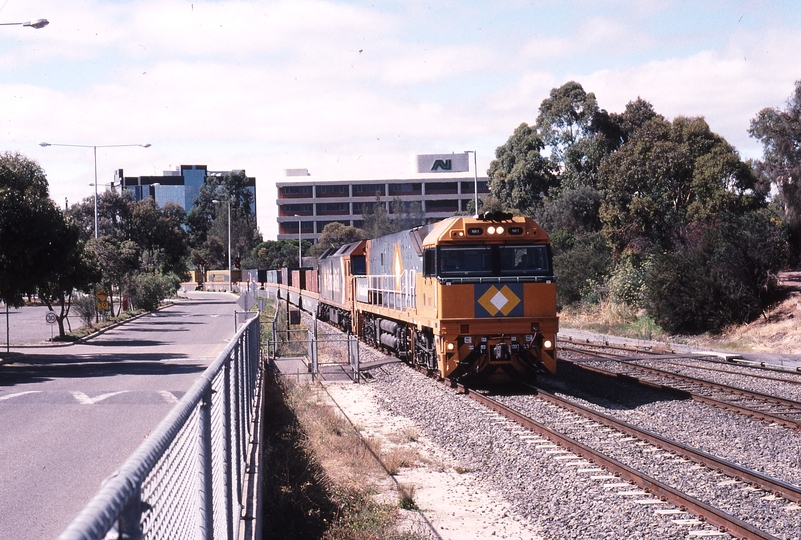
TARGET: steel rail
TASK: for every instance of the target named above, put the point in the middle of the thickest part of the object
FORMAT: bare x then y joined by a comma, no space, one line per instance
777,487
763,398
704,511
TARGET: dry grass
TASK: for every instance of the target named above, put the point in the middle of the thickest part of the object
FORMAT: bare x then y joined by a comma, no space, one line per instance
348,470
778,331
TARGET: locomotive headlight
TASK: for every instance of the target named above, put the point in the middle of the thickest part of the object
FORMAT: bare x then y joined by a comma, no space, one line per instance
490,230
547,344
450,346
499,230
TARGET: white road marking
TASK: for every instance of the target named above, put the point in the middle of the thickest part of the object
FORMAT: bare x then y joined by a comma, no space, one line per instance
19,394
168,396
83,399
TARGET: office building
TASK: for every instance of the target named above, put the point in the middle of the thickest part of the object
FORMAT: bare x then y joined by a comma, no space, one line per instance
181,186
442,186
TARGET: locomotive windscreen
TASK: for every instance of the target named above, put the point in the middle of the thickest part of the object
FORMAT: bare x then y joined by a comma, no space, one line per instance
494,260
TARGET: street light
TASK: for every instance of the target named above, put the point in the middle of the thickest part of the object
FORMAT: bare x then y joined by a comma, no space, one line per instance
300,249
230,282
475,172
38,23
95,147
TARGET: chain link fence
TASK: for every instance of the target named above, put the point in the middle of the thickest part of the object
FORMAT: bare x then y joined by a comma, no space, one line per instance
321,345
191,477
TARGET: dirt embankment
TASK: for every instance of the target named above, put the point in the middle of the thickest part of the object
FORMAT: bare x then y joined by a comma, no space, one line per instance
779,331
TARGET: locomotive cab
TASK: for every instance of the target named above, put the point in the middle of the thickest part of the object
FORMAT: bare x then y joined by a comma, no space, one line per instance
495,297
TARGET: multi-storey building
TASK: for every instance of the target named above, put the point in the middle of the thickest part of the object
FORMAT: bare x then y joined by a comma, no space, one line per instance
181,186
305,206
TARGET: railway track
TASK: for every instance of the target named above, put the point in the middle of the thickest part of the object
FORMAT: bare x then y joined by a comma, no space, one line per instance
588,420
769,408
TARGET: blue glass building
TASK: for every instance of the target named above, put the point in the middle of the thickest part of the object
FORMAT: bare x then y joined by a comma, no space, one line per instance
181,186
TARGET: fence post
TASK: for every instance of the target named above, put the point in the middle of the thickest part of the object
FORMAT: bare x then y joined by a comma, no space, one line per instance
129,523
228,484
205,468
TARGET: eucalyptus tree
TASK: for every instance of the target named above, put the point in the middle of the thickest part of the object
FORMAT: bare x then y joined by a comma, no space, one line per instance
519,176
780,134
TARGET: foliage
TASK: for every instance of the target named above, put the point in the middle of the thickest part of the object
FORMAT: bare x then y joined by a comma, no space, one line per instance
73,268
33,232
519,176
119,260
667,176
274,254
85,306
725,275
337,234
626,282
160,235
580,263
780,133
210,219
575,131
148,290
574,210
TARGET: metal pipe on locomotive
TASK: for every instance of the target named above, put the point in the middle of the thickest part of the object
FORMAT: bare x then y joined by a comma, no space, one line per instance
465,297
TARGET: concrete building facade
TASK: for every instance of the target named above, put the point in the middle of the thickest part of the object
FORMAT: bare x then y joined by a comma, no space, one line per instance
306,206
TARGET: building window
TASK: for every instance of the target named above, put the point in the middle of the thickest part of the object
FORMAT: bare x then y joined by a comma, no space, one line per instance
442,206
332,209
470,187
405,189
368,190
296,191
332,191
292,209
442,188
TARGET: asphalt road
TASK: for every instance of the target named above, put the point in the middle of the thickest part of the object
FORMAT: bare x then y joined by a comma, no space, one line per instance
70,415
27,326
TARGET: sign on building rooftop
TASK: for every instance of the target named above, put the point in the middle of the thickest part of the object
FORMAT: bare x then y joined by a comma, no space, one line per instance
442,163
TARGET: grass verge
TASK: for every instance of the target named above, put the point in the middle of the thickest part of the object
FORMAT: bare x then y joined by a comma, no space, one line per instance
319,479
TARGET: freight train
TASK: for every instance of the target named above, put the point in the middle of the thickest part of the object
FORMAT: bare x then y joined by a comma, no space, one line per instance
467,298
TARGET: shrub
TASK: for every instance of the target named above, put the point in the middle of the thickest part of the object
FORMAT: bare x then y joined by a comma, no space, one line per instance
725,276
148,290
84,306
581,265
627,282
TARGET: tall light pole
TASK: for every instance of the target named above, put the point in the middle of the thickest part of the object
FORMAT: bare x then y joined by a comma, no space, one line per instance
475,172
38,23
300,249
230,283
95,147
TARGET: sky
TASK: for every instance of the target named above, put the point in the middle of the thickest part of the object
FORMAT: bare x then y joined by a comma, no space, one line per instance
353,89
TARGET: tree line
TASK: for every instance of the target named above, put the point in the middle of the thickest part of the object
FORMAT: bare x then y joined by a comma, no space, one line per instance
139,254
661,215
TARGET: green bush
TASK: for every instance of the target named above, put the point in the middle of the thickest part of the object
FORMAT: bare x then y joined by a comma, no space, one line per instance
581,264
725,276
148,290
84,306
627,282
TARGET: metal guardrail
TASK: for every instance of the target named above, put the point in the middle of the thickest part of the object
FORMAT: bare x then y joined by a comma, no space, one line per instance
189,478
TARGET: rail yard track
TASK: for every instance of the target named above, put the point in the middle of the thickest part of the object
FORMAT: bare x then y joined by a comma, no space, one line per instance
577,436
621,363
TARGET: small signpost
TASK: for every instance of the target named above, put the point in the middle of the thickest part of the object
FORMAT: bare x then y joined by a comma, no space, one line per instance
51,319
102,300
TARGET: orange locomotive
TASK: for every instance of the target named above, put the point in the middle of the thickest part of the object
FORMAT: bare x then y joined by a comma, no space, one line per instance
465,297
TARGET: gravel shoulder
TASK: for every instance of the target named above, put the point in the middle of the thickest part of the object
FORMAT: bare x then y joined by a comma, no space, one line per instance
450,498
